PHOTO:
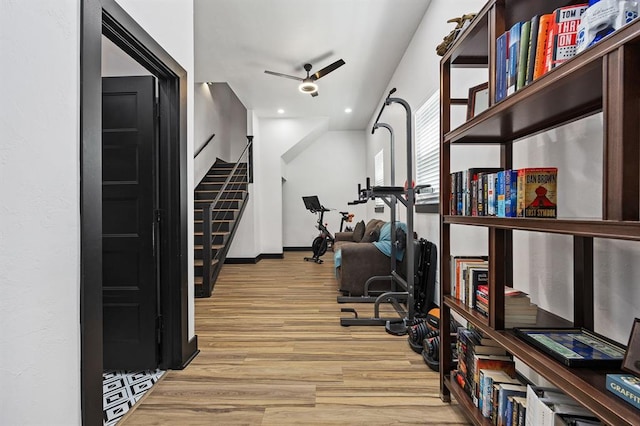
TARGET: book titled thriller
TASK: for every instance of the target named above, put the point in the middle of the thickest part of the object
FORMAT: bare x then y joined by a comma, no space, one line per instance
563,40
625,386
537,195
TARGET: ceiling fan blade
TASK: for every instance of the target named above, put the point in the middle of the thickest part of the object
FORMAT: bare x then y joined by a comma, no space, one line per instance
277,74
326,70
314,94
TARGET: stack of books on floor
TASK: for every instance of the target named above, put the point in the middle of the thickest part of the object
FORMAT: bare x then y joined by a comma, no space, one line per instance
519,311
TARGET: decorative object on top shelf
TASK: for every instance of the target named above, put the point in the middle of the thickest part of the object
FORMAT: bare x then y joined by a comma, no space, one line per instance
602,18
574,347
631,362
478,100
462,23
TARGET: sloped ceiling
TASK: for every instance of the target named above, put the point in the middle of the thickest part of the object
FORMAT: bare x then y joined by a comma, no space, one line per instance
237,40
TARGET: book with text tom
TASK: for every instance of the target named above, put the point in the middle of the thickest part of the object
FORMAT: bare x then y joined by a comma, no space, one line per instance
562,41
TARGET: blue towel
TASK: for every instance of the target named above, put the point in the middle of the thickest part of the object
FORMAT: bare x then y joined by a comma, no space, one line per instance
384,241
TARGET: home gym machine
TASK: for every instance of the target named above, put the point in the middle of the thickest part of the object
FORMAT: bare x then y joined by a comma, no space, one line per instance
402,301
325,239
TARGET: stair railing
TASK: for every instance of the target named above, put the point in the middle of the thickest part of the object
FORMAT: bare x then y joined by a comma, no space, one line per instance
203,146
234,182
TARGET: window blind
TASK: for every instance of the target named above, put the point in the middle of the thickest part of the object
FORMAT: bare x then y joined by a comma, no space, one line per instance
427,125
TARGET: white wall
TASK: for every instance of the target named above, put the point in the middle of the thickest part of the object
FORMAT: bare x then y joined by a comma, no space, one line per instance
39,213
218,110
245,242
276,136
330,168
170,23
543,262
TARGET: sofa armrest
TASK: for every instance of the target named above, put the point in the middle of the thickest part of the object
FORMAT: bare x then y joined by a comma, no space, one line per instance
344,236
361,261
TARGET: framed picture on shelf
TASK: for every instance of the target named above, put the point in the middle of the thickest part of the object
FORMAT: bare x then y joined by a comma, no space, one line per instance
575,347
478,100
631,361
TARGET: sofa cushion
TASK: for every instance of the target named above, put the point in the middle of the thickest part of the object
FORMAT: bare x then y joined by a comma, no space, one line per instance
358,231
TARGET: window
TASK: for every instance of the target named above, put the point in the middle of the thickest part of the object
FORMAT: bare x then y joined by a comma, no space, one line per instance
378,178
427,124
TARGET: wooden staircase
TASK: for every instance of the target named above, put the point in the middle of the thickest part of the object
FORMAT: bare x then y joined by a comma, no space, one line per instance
224,218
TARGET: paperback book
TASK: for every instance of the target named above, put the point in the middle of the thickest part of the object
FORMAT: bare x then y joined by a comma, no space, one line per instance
537,195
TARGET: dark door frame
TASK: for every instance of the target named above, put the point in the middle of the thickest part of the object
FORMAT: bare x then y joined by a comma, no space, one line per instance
106,17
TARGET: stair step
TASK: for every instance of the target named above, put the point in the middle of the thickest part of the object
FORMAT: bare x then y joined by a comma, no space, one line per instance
226,195
198,267
225,204
216,225
217,213
198,262
217,237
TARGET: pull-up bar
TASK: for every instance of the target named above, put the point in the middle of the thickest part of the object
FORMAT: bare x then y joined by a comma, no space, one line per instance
386,102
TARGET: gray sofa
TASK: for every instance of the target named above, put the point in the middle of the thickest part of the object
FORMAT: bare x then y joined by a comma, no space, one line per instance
361,260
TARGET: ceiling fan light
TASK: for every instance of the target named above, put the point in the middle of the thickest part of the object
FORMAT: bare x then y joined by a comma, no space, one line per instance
308,87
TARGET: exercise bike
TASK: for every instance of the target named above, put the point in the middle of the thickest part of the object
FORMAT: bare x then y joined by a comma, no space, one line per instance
325,239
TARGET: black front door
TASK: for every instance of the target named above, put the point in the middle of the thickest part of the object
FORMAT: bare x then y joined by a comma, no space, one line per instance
129,229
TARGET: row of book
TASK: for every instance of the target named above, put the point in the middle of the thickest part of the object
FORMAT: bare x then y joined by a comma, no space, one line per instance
469,284
526,192
487,374
529,49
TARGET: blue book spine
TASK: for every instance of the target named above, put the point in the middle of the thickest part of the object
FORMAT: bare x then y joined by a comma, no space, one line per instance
625,386
500,194
514,54
501,66
511,193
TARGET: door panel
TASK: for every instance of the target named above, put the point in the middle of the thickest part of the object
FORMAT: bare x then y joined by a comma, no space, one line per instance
129,185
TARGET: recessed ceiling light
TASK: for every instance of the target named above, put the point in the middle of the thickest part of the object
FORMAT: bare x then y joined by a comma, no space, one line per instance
348,110
280,111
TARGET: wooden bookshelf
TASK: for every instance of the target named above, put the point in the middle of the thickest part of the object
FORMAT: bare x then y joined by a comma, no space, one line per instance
603,79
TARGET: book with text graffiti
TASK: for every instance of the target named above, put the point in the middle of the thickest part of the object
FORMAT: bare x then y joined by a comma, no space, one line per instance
537,195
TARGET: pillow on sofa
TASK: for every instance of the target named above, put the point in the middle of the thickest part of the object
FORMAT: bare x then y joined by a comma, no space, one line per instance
372,231
358,231
371,236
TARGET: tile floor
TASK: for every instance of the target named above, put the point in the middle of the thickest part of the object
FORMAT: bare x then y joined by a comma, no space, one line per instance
121,390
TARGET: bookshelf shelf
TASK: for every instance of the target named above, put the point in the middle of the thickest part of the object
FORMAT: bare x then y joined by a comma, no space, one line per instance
603,78
620,230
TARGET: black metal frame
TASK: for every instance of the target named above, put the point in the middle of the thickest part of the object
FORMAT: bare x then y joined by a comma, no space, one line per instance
391,195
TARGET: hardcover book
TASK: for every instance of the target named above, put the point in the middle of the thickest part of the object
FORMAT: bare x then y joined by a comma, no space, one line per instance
544,25
523,54
625,386
514,55
533,45
563,39
537,195
502,62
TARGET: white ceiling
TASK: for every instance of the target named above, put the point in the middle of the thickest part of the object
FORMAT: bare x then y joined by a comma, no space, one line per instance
237,40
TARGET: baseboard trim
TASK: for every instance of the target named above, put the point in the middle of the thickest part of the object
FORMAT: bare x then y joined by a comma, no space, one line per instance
252,260
297,249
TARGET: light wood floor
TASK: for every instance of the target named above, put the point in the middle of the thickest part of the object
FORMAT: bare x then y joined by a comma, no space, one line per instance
273,353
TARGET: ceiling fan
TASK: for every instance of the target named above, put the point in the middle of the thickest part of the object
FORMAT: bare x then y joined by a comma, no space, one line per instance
308,84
